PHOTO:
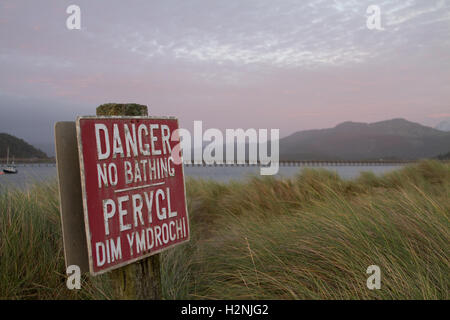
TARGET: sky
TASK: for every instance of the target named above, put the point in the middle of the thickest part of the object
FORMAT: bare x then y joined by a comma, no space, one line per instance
291,65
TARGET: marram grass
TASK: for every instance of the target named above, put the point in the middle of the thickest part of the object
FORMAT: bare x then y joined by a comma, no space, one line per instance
309,237
31,249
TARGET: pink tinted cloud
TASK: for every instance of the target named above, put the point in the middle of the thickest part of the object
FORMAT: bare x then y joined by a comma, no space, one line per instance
439,115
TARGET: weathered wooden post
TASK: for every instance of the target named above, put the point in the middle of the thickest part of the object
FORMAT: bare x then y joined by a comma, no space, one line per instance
140,280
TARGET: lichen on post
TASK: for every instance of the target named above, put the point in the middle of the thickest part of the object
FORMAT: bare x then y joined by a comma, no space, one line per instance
122,109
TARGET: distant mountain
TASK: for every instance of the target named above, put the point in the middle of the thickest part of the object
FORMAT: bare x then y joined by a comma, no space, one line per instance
443,125
18,148
391,139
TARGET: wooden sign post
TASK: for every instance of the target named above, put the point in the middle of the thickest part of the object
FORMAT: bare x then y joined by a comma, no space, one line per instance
132,194
141,280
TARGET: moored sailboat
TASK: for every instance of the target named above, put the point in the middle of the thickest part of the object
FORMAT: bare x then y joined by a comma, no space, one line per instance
10,168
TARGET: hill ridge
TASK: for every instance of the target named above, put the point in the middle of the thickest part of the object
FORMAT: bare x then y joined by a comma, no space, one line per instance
395,138
18,148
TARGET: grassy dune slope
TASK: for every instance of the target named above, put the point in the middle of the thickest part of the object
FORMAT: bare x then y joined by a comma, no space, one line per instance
309,237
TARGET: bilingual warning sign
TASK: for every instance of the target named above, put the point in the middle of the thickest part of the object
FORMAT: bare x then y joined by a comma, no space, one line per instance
134,197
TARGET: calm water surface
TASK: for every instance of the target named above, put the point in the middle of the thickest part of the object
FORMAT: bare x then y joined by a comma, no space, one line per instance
30,175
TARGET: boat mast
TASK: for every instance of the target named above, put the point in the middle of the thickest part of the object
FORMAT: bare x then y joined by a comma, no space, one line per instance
7,157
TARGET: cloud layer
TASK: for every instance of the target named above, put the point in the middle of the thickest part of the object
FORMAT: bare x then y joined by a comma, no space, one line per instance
276,64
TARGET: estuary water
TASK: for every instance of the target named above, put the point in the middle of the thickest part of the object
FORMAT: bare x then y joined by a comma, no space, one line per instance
28,176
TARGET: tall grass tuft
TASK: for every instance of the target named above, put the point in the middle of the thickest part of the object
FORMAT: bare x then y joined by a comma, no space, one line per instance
31,249
314,236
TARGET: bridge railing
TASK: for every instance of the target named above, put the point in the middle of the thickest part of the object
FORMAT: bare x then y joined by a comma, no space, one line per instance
282,163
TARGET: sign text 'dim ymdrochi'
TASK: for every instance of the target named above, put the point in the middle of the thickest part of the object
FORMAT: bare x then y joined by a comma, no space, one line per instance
133,192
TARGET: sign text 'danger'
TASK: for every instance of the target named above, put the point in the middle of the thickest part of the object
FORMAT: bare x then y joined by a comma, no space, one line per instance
133,191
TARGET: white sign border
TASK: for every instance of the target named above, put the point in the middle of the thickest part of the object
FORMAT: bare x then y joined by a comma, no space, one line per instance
83,192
